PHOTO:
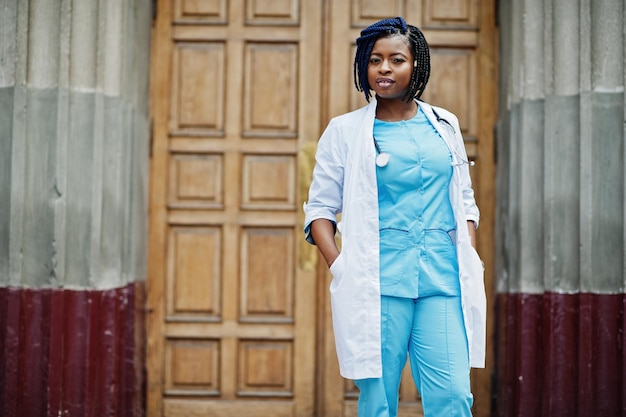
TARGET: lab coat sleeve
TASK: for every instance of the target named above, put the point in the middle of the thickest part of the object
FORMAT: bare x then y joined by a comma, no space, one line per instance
326,190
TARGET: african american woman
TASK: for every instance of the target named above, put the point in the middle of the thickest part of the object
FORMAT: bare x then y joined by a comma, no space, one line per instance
407,280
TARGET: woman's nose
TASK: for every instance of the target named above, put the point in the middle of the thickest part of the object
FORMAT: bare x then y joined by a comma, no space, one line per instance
384,67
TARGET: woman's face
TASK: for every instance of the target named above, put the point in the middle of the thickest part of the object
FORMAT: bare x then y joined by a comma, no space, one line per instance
390,67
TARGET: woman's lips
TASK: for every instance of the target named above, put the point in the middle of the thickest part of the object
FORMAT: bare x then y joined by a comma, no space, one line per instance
384,82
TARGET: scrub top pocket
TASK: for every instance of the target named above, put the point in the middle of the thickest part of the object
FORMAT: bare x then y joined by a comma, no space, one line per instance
440,264
395,247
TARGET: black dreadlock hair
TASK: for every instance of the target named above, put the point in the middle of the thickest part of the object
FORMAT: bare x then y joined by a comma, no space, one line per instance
415,41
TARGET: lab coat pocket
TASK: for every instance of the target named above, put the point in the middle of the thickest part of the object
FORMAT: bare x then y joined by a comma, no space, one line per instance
472,273
477,267
337,270
474,302
342,301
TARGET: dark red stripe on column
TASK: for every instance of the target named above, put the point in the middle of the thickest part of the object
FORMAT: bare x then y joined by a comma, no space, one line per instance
101,374
623,347
506,342
560,320
606,361
56,352
75,352
9,365
70,353
127,331
585,350
33,355
518,361
560,355
529,365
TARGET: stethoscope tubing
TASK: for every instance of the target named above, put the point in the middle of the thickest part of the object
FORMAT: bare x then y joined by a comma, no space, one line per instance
383,158
461,159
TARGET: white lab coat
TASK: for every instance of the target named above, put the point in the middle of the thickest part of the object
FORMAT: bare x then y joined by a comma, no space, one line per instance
344,181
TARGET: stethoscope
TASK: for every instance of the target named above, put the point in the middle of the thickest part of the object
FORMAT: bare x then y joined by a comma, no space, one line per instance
383,158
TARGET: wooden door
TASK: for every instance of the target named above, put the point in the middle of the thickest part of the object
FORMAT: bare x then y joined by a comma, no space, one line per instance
239,319
231,307
462,39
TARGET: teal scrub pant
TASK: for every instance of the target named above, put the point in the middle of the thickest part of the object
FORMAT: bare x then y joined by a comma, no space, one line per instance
431,331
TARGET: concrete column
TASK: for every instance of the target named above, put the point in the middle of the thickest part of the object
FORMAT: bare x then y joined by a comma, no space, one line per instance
560,208
74,144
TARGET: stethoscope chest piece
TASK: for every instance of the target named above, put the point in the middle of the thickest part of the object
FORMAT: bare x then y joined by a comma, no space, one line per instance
382,159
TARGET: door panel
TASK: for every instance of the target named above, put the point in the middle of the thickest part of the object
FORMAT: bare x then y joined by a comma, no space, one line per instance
234,87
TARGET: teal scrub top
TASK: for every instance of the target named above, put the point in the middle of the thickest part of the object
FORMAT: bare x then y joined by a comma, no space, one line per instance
417,227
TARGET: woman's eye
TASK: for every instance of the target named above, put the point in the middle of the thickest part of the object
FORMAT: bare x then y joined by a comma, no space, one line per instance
374,60
398,60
